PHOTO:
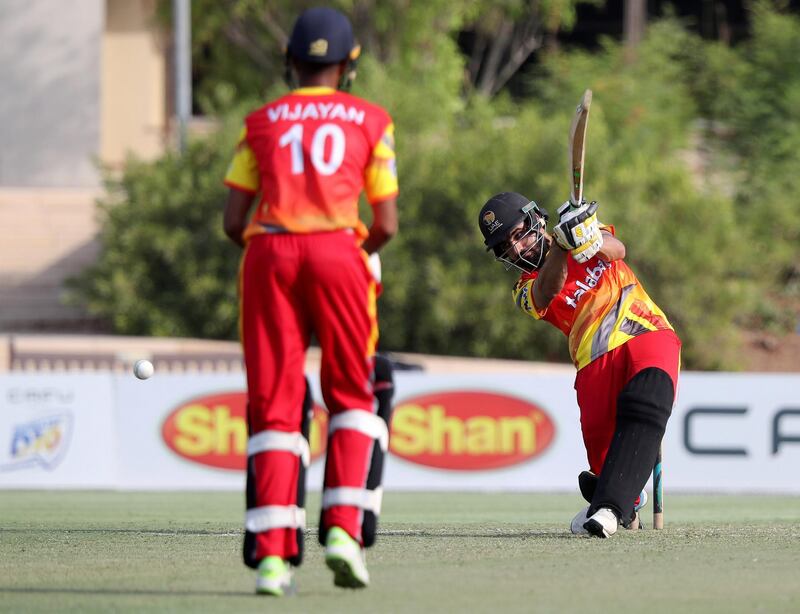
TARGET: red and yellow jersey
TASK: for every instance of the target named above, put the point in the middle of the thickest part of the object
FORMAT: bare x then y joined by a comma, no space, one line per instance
310,154
601,306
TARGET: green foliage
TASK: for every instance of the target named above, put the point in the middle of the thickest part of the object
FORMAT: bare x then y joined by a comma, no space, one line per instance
692,153
678,230
449,298
165,267
752,94
765,118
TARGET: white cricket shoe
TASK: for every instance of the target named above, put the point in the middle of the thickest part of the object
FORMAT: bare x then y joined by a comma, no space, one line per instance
576,526
345,557
603,523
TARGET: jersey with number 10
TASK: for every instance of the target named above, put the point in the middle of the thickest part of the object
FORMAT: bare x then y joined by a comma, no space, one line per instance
310,154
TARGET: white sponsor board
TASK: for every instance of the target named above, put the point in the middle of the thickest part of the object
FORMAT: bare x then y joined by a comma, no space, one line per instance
728,433
552,465
57,431
734,432
145,460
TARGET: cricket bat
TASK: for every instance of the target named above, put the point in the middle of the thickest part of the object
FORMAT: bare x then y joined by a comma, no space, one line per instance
577,147
658,494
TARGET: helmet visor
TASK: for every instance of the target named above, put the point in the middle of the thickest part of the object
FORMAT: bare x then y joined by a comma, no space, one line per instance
525,248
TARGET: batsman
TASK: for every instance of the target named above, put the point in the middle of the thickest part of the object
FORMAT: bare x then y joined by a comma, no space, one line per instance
305,158
626,352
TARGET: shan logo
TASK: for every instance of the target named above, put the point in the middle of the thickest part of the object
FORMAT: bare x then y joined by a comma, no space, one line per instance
469,430
212,430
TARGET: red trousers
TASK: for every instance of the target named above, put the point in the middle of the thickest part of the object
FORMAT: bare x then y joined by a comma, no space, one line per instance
293,285
600,382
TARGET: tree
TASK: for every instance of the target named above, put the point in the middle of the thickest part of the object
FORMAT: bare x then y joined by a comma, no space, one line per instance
635,21
506,34
241,42
712,258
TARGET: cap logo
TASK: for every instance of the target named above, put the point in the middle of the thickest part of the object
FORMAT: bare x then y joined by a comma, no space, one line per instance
318,48
491,222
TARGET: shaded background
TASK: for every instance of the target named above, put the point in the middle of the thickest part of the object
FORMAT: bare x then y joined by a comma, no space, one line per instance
692,153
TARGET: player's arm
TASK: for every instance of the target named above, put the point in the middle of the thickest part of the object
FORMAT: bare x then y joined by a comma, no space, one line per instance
244,181
384,225
380,183
612,249
234,220
551,278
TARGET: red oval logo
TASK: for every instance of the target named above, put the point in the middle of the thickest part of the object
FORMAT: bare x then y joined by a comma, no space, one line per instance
212,430
469,430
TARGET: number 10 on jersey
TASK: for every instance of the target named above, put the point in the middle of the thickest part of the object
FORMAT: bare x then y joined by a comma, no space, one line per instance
293,138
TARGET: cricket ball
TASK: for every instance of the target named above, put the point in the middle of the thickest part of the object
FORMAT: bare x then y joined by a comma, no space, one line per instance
143,369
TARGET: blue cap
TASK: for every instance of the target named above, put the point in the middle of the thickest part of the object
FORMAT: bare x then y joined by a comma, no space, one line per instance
322,36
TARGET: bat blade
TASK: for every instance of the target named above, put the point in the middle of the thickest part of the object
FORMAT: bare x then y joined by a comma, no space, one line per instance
577,147
658,493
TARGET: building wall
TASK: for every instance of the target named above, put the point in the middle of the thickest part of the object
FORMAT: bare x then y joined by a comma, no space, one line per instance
81,81
133,102
50,97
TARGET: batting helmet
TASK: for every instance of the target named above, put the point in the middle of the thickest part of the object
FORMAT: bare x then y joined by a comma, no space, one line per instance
501,213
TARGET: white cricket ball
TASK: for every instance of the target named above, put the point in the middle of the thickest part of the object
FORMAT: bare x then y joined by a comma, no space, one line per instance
143,369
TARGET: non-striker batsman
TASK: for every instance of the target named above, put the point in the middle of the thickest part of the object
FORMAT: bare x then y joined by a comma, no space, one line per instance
307,156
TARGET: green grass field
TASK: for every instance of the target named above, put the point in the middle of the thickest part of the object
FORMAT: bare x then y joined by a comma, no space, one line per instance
134,552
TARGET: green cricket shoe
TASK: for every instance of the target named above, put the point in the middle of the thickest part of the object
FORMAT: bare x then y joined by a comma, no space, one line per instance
275,577
345,557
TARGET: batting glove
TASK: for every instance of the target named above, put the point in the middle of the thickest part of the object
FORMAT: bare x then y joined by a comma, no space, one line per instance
578,230
375,269
584,253
375,266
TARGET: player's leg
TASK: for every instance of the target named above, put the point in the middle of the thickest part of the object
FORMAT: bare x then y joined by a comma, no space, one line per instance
274,338
587,484
383,389
643,408
249,546
343,554
345,324
597,386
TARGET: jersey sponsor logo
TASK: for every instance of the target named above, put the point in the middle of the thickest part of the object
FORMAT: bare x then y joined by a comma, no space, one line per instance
469,430
42,442
315,110
212,430
592,278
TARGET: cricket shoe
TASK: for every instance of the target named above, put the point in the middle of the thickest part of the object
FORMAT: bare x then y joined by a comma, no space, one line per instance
275,577
345,557
576,526
603,523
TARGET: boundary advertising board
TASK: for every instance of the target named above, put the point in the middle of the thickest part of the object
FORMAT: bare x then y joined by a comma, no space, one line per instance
728,433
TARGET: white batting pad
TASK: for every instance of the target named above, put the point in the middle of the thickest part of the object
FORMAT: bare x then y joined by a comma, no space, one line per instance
280,440
363,422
